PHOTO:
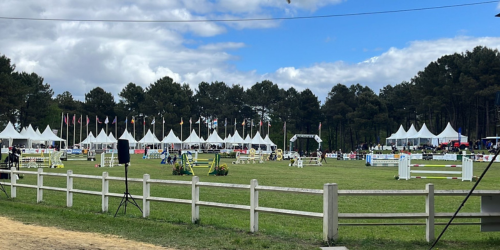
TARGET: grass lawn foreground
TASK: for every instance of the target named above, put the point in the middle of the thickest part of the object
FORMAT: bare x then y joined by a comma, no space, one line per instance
170,224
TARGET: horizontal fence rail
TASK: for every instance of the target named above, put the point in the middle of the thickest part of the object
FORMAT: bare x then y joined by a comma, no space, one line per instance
330,194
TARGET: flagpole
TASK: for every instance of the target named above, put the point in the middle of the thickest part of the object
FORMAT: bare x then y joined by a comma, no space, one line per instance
62,119
154,126
284,137
126,123
116,126
190,122
268,123
234,129
67,130
133,119
74,130
182,144
96,128
243,124
87,118
251,130
81,117
199,129
225,129
163,128
106,121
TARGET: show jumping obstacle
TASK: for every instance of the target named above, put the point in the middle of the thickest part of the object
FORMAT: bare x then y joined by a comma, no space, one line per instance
108,161
405,170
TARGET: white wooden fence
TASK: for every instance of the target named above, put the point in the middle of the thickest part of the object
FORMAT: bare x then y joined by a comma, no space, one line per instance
330,193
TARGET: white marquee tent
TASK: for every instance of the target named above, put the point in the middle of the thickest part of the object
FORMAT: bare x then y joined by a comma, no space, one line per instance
128,136
149,138
424,136
449,134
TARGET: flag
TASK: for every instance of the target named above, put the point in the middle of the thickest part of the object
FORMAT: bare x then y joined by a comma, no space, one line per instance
243,123
153,122
144,121
80,120
132,121
252,122
260,123
74,116
65,121
126,120
97,119
106,121
225,123
114,121
268,123
215,122
199,120
163,120
190,121
319,126
88,120
182,122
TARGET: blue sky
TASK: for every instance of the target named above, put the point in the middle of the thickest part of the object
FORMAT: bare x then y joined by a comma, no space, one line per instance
372,50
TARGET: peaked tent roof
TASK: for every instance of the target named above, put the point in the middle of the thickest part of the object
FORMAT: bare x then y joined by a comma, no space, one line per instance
171,138
400,134
111,138
268,140
102,138
235,139
10,132
248,139
47,133
448,132
193,138
423,133
228,138
149,138
411,132
257,139
214,138
90,139
38,132
31,134
127,136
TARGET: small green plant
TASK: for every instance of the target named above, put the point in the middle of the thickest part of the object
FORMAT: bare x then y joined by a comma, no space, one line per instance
177,169
223,169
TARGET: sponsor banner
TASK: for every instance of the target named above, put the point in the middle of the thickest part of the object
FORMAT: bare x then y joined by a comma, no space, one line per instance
331,155
111,151
446,157
75,151
139,151
241,151
417,156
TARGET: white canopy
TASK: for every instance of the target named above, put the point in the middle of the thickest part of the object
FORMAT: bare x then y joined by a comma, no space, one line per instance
411,132
171,138
37,131
127,136
48,134
424,136
449,134
268,140
214,138
193,139
248,140
149,138
235,139
257,139
32,135
111,138
11,133
90,139
102,138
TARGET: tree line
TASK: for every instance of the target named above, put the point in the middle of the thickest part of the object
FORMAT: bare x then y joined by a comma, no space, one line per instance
458,88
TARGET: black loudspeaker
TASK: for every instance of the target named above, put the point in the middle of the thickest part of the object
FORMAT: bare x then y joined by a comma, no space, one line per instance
123,151
497,99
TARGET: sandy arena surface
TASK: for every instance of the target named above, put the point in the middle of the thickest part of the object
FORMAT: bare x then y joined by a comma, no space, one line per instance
19,236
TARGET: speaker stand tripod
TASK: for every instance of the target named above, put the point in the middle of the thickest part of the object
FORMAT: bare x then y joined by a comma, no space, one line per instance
127,197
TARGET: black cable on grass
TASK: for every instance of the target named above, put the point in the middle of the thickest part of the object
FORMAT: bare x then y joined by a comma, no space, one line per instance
465,200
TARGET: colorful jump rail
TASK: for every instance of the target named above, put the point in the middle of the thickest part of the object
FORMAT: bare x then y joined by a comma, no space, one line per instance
405,170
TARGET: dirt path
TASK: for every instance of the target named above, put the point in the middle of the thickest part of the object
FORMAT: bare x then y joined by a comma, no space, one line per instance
19,236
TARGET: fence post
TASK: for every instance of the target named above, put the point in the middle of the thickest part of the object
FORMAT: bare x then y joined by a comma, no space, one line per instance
105,191
69,189
145,195
254,203
13,182
195,197
429,209
39,185
330,212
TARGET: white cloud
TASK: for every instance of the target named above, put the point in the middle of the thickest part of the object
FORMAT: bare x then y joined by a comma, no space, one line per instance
389,68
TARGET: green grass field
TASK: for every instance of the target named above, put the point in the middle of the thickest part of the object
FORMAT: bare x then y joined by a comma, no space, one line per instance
170,224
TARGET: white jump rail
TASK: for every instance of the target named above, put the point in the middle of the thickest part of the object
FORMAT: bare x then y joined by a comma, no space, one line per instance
108,161
405,171
330,194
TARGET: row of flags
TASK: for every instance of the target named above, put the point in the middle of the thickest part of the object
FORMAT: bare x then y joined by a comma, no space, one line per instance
214,122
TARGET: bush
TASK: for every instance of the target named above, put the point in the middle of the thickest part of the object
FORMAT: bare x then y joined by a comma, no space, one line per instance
222,169
177,169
